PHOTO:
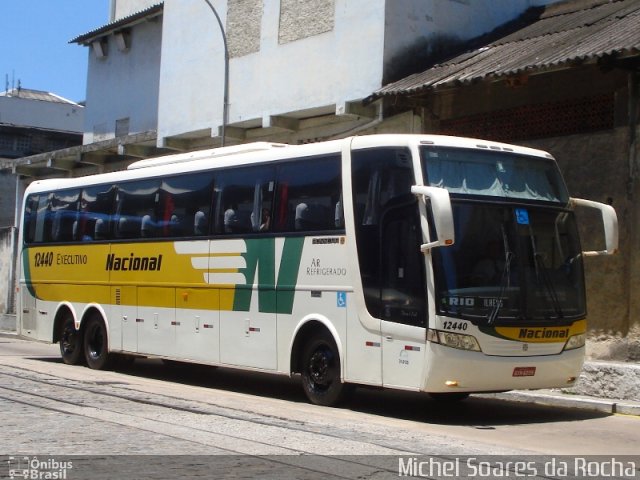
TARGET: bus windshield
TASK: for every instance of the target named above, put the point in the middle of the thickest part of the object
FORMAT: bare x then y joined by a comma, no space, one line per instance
494,174
509,264
515,258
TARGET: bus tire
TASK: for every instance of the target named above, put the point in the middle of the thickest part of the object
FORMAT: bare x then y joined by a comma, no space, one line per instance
96,345
70,340
320,369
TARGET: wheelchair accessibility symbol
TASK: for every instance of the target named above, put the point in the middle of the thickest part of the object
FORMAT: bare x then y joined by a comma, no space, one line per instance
342,299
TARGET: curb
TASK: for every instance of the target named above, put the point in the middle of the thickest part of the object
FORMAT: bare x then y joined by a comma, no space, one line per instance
9,334
581,402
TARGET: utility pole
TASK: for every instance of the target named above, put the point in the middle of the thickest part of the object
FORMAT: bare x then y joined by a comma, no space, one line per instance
225,106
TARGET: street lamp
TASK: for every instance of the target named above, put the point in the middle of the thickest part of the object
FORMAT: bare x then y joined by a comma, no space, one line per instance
225,107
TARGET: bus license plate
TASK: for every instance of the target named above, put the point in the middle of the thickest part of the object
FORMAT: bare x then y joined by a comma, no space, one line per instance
524,371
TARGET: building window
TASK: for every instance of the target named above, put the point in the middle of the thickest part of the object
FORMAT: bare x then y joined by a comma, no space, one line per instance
100,132
15,144
305,18
122,127
6,143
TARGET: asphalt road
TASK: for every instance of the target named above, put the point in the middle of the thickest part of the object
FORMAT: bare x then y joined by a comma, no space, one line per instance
193,421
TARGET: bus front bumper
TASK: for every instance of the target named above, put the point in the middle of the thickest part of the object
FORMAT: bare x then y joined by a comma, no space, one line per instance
449,370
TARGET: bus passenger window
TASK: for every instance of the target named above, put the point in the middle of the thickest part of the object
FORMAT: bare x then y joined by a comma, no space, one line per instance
63,212
184,205
30,218
308,195
96,205
244,200
137,201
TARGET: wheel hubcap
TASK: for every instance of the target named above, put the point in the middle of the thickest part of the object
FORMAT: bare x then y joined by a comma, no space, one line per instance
68,340
319,366
95,344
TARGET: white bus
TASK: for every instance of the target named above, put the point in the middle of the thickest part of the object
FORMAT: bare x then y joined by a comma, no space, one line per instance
429,263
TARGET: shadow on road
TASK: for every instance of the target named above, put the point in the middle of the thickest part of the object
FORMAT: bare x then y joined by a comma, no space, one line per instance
476,412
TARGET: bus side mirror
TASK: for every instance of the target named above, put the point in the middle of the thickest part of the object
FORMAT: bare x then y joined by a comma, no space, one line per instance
609,221
442,215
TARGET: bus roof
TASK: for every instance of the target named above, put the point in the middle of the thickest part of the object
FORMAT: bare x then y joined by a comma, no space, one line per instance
260,152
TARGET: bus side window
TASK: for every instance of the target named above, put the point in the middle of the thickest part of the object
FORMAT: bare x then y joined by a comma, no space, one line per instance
382,179
94,216
30,218
64,212
244,200
42,214
185,204
308,195
137,201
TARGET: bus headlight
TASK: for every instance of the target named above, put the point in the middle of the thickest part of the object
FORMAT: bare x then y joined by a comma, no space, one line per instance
576,341
453,340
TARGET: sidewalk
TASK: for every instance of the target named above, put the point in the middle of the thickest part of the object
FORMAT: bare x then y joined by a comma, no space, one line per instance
596,389
603,386
558,398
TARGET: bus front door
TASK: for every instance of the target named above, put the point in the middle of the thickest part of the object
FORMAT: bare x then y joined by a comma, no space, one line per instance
402,295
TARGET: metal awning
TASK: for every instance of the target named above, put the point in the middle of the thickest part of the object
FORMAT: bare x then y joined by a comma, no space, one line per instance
120,24
558,36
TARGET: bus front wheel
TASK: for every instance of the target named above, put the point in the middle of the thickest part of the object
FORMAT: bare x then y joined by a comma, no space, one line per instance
321,371
96,346
70,341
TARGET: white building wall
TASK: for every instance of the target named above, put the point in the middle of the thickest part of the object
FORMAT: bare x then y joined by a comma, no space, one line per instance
124,84
19,111
318,71
290,74
191,75
280,64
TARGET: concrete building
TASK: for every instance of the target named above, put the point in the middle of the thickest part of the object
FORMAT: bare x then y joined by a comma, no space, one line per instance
298,69
123,75
34,122
31,122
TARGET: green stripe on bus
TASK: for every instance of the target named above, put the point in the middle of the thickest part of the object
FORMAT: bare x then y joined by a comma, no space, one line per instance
260,256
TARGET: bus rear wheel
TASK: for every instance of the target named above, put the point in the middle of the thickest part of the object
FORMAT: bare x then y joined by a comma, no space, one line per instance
321,372
96,345
70,341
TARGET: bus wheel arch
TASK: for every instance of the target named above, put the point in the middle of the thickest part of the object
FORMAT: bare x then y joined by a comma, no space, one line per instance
96,340
68,336
315,355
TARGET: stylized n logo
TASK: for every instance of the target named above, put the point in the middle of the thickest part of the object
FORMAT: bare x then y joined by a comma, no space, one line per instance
273,296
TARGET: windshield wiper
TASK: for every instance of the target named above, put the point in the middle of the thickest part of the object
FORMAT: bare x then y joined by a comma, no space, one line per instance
505,279
542,273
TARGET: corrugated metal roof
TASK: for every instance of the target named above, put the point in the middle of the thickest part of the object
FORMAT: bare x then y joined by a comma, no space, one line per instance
123,22
29,94
578,30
